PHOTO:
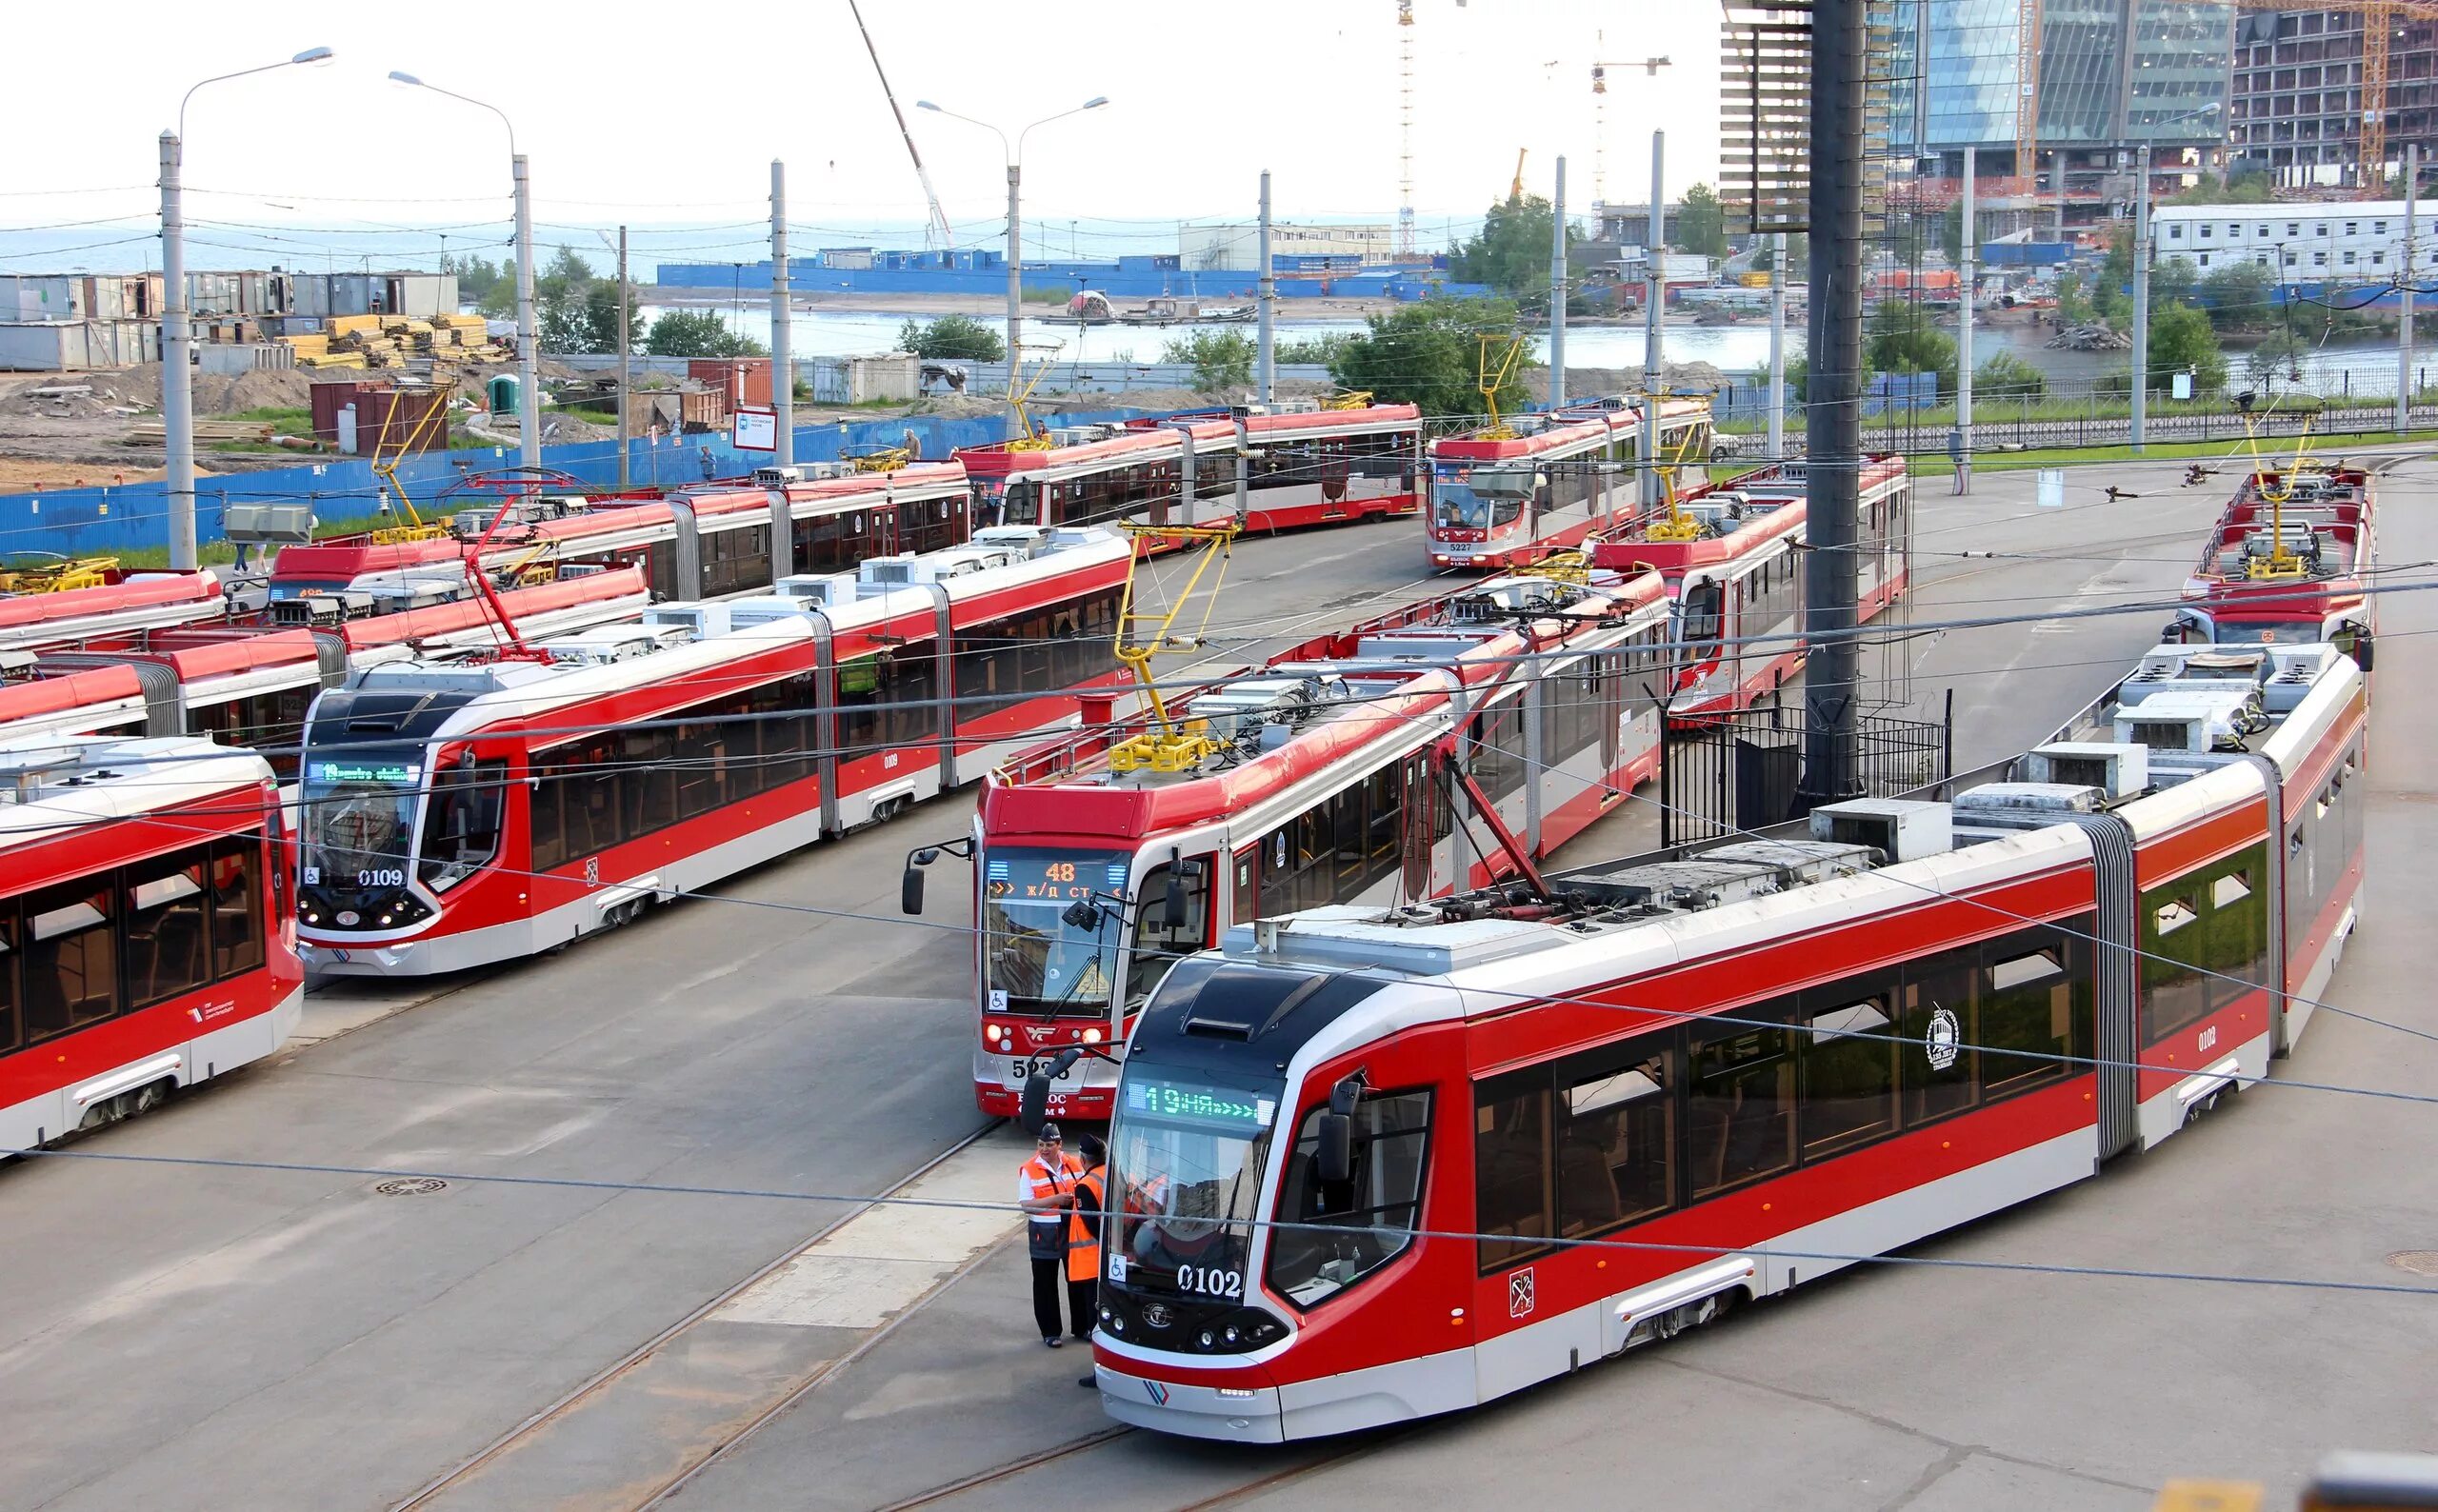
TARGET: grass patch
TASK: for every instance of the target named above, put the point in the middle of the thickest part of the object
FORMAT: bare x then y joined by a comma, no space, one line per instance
284,422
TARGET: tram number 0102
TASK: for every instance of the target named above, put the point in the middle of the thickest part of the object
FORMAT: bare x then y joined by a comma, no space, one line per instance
1209,1281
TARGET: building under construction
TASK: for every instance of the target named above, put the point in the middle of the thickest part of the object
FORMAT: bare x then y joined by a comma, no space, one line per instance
2303,85
2113,82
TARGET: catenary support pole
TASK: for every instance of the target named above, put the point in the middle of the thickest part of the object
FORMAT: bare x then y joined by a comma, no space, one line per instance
1655,295
2410,271
177,378
626,365
2138,434
1266,353
529,333
783,377
1778,346
1015,277
1832,406
1557,290
1967,251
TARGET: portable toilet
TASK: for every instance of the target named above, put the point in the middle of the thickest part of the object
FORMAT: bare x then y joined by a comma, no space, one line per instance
501,392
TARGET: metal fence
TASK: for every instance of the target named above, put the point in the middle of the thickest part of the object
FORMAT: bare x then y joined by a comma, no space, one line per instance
1738,774
2100,420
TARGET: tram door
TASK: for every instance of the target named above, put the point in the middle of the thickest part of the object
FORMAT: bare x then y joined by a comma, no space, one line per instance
1423,814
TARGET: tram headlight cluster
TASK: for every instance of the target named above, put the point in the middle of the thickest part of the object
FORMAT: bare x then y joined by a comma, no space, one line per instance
1091,1036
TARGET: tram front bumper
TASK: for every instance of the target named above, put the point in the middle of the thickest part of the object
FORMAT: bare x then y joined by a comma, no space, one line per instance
1237,1415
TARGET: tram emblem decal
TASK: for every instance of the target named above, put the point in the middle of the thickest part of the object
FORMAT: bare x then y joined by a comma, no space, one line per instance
1943,1039
1158,1393
1519,1294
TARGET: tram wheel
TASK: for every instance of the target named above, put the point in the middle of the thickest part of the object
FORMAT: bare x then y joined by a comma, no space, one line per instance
147,1096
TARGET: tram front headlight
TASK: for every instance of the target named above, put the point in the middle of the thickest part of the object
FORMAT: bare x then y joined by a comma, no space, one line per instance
1091,1036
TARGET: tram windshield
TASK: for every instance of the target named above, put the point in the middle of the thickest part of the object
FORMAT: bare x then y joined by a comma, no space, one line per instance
2270,632
1186,1150
1479,498
1036,958
359,819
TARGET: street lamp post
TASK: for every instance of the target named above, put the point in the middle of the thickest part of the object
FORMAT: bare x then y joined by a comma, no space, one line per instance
1014,159
177,323
529,335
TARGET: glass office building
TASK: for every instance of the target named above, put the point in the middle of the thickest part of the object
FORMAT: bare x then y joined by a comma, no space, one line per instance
2112,73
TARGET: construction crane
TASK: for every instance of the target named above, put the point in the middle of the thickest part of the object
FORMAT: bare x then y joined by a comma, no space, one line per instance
1651,68
2028,100
1405,240
935,230
2379,18
1515,190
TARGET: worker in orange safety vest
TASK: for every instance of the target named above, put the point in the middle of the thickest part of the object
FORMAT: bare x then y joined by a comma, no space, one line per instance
1084,1223
1046,1192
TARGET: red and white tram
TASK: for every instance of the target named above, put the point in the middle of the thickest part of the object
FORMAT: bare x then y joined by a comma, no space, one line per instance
701,542
1545,483
251,688
2288,563
148,941
1732,557
1770,1059
479,809
137,602
1280,470
1432,749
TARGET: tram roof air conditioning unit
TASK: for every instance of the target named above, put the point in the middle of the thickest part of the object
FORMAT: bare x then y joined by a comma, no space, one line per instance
2117,771
699,621
1066,537
821,590
1025,540
777,477
888,571
2191,721
1899,828
2024,806
745,614
470,523
614,643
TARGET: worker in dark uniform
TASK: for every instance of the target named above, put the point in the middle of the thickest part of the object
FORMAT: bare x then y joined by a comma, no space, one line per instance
1084,1223
1046,1192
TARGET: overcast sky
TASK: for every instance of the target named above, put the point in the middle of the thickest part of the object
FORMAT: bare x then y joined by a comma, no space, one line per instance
670,114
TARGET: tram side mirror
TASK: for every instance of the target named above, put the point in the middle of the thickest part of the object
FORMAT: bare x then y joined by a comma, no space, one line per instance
1172,913
1082,914
1335,1156
1032,1104
909,887
2362,649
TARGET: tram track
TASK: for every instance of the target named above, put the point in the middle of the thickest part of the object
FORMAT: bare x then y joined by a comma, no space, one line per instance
565,1405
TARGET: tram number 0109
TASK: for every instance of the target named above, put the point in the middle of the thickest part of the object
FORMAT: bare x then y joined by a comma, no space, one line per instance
1209,1281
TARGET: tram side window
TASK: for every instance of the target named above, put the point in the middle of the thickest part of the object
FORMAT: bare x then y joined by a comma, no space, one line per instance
2174,995
2035,992
1571,708
1739,1107
2236,932
236,906
1157,945
1615,1136
460,823
10,1035
1334,850
168,927
72,977
1511,1167
1364,1222
1498,750
1848,1056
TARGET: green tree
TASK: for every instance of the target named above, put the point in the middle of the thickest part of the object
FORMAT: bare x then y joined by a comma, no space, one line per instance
1510,252
1951,232
952,337
1323,350
1901,339
2113,297
2181,341
1221,359
2074,306
2173,281
1701,223
2243,186
1428,354
1798,255
476,277
578,310
2237,296
698,334
2278,358
2008,376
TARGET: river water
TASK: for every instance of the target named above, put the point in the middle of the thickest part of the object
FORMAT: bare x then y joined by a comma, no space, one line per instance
1736,351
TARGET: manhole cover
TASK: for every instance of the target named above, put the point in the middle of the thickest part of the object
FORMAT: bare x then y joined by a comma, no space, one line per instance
423,1185
2419,1262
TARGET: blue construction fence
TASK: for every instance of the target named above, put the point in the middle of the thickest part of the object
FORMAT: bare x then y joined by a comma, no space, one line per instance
130,517
1126,278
